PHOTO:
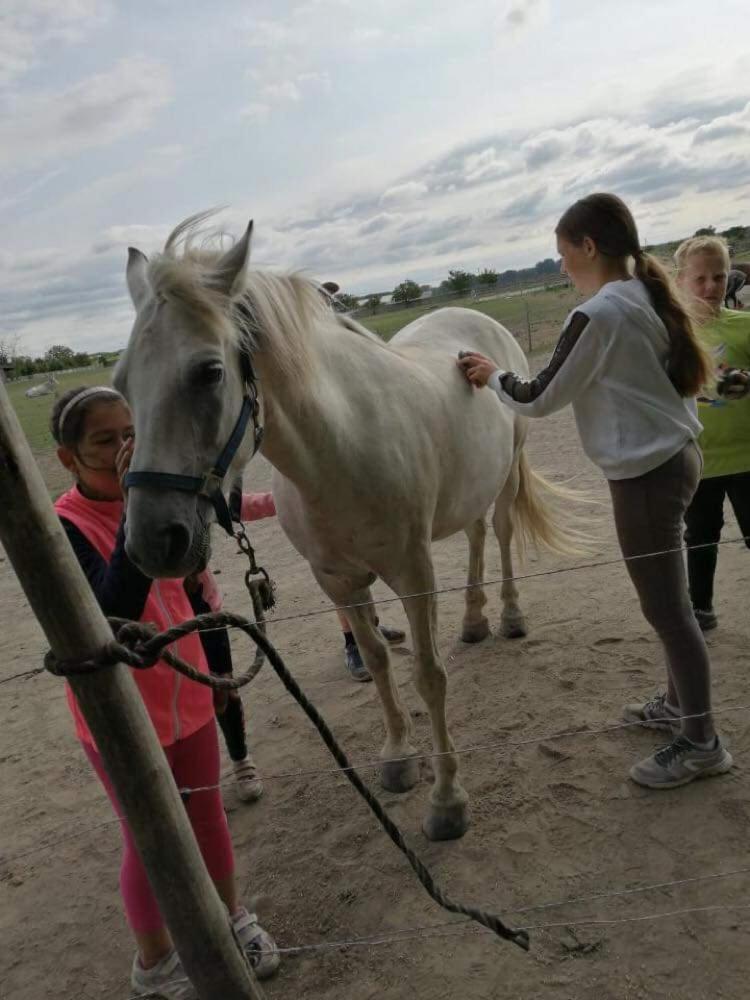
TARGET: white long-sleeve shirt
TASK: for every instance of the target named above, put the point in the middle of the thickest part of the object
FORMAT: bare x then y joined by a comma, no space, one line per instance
611,365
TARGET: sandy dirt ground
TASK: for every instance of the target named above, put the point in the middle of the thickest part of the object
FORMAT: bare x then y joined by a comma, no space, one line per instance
552,819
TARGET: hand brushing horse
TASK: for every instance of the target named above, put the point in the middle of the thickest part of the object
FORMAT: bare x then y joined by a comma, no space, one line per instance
377,449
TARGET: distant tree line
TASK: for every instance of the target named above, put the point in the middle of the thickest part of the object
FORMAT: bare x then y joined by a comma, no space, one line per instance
55,359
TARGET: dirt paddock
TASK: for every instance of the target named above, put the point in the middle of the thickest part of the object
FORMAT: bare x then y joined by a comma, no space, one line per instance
551,820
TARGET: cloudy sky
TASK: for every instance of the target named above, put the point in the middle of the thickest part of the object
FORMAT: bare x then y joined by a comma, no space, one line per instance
371,140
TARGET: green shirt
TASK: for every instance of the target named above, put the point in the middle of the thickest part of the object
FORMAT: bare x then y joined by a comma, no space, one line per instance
726,423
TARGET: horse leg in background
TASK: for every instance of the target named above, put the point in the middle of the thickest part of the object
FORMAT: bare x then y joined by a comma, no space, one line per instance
448,814
399,771
512,623
475,626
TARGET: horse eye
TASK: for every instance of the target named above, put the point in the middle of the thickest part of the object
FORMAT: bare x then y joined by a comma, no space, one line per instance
212,373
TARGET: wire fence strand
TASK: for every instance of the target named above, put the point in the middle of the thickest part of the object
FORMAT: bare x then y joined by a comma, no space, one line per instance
507,745
452,589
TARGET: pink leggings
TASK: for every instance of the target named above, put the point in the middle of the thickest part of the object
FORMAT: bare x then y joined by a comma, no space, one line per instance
194,762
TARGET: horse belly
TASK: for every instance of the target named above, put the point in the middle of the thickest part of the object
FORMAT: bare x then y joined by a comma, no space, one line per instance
478,471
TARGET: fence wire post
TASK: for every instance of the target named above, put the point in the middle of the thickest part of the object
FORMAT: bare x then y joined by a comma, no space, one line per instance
75,627
528,319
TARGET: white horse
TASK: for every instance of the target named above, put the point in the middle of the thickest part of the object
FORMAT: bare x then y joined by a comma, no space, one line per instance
45,388
377,449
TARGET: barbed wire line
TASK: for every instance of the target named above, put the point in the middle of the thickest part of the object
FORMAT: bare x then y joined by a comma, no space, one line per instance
452,589
186,791
58,839
373,763
498,581
453,927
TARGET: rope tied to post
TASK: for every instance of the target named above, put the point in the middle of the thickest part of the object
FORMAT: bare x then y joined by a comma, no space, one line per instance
141,647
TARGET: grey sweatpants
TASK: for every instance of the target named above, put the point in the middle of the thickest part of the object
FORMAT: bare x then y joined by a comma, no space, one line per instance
649,512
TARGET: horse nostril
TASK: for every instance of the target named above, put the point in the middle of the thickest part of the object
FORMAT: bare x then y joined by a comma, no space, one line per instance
177,539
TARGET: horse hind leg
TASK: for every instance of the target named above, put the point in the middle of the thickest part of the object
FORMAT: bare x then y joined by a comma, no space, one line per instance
475,626
513,622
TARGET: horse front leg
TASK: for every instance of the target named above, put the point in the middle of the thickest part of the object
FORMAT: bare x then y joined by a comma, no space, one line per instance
400,770
475,626
448,814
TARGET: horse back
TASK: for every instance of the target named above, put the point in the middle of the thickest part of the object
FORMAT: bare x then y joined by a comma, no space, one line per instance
452,329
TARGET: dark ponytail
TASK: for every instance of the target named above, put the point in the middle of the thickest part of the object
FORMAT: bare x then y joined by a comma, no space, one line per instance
607,220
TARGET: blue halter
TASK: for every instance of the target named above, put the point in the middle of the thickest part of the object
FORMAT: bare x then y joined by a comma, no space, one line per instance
210,484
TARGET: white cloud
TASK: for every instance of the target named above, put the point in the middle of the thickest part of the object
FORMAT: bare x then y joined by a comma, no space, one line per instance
734,126
400,194
27,25
279,91
93,112
256,111
484,165
286,90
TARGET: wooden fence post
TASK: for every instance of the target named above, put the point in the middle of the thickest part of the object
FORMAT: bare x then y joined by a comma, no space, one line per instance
113,708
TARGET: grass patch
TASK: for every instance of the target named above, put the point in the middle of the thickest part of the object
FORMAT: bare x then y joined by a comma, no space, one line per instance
34,414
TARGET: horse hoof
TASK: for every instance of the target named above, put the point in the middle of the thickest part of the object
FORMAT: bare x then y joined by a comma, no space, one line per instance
446,822
514,627
399,775
476,631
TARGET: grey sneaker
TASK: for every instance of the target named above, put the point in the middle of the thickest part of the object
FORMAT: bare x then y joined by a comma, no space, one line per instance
164,981
679,763
257,944
355,664
654,714
248,784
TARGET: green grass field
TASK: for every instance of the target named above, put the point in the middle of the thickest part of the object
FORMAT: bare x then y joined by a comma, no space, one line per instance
34,414
544,308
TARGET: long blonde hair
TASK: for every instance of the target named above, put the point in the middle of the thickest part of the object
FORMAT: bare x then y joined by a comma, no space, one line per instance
607,220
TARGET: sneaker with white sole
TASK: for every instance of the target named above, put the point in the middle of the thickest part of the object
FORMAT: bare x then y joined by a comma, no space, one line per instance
356,665
164,981
656,713
679,763
257,944
249,786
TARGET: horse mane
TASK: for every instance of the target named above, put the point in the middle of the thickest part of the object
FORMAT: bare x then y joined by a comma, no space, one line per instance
273,313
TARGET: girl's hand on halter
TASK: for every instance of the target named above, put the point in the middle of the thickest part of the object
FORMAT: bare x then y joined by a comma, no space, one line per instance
122,461
476,367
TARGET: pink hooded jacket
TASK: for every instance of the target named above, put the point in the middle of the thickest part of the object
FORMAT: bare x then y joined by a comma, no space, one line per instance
178,707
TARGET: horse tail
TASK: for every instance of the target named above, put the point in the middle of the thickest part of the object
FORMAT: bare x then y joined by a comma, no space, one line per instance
537,517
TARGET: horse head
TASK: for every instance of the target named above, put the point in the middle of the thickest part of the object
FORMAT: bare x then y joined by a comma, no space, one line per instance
185,375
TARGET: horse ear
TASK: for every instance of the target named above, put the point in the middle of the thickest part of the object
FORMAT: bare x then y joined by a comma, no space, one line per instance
230,272
136,277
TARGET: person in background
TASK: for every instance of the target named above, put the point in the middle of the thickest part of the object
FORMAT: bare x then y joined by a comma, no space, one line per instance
723,409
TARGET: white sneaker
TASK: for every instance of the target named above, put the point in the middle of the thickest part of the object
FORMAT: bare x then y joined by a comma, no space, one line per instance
164,981
257,944
248,784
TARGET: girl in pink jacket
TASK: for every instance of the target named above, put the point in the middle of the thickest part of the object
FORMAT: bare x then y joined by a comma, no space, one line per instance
93,430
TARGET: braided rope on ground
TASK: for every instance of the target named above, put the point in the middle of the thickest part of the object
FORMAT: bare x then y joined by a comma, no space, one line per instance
139,646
